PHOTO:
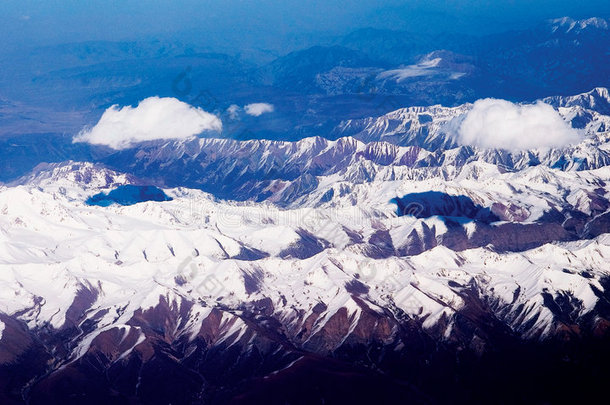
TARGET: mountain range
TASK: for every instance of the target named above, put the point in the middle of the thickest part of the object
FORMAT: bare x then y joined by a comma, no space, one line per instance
375,263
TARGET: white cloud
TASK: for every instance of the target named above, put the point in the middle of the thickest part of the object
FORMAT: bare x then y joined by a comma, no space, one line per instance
424,68
233,111
494,123
153,118
258,109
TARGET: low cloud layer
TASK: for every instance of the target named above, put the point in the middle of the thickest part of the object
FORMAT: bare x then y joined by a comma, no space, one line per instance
424,68
258,109
154,118
494,123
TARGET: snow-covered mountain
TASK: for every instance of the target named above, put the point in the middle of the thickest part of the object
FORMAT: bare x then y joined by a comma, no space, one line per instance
567,25
370,267
409,143
111,294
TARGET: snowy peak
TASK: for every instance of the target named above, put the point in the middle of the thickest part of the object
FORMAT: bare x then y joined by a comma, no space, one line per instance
597,100
82,174
568,25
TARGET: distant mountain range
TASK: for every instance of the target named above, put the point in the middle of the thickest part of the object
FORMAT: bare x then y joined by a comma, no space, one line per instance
311,87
